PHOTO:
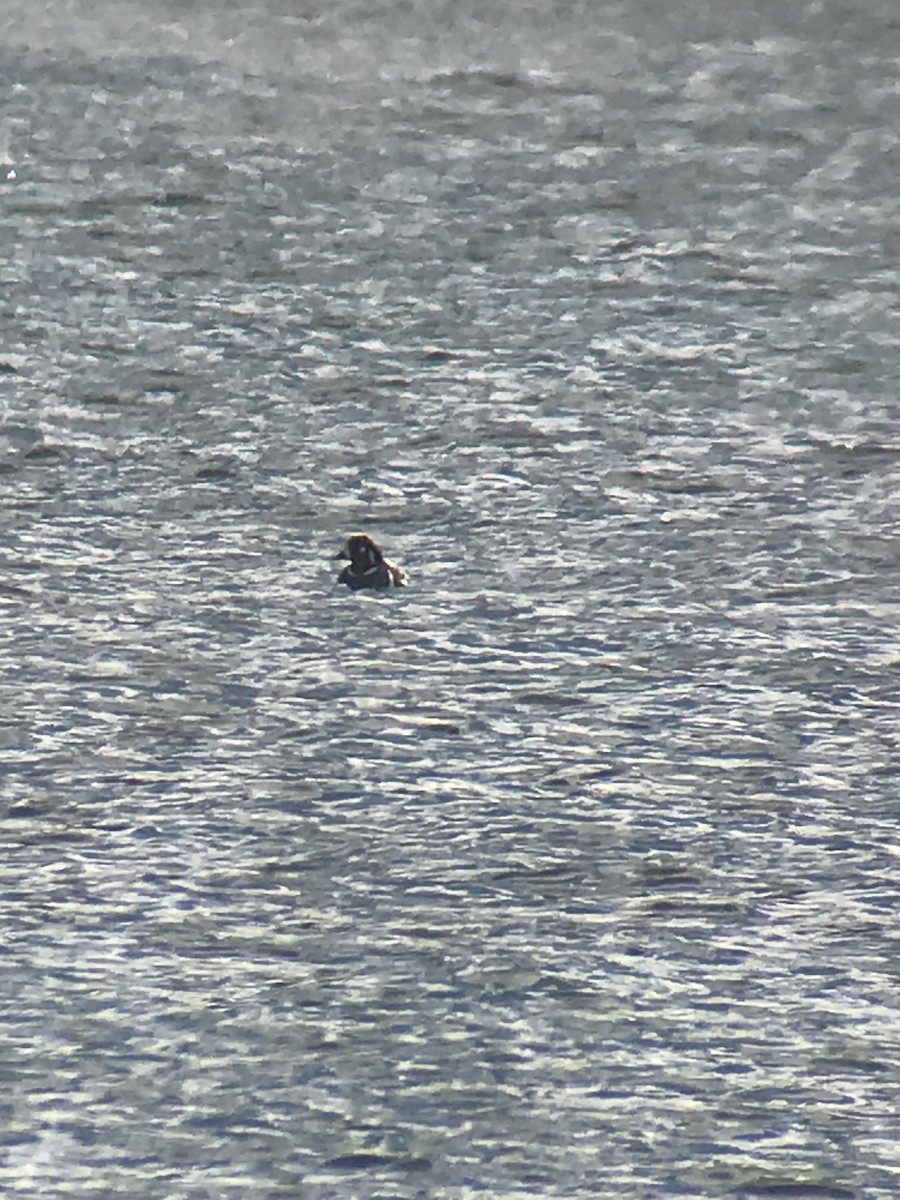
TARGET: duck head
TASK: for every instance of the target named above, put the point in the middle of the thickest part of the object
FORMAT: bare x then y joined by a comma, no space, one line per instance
362,552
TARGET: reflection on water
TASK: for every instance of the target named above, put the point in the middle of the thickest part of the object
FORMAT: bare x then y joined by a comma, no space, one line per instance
569,870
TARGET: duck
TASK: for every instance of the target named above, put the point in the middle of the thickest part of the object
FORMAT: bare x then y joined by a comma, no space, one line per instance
368,567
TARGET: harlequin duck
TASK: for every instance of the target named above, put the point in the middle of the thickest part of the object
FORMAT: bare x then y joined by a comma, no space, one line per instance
368,567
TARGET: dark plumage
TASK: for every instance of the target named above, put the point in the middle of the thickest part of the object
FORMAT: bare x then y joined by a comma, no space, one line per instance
368,567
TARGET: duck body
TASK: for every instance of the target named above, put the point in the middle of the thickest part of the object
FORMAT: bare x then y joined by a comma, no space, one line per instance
367,567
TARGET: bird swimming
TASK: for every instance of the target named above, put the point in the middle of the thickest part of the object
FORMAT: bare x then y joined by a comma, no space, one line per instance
368,568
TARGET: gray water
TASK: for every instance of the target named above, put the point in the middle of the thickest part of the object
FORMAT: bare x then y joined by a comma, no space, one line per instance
571,871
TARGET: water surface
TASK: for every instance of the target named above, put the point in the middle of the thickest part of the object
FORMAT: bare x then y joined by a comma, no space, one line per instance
571,870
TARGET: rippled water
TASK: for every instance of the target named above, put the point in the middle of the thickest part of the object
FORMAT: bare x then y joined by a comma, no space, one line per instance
572,869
